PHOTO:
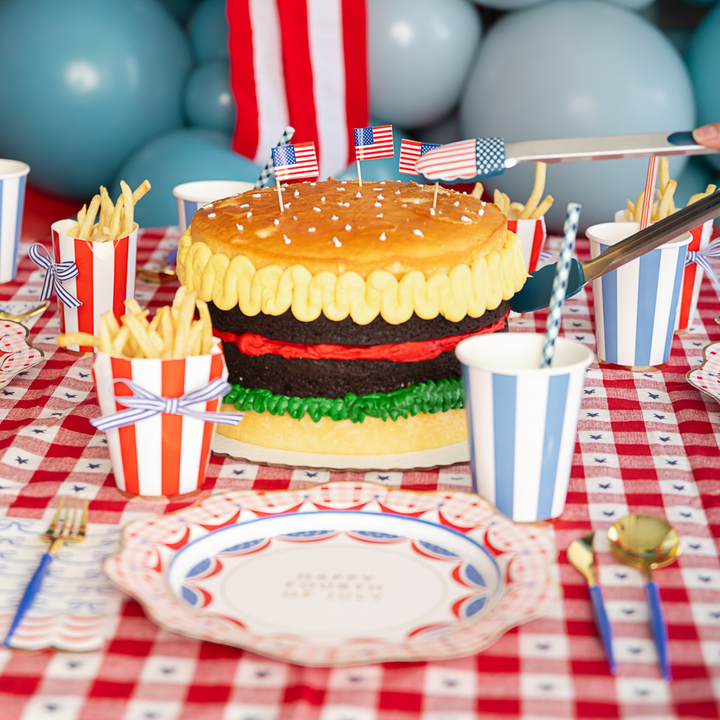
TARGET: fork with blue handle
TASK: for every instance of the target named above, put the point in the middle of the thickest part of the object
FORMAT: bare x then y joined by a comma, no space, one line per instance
68,525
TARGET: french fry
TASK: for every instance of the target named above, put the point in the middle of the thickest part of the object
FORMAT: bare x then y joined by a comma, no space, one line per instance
156,340
663,174
638,206
207,336
115,218
77,338
118,343
139,333
543,207
537,191
104,217
478,190
110,319
194,339
89,219
182,325
665,207
126,226
516,208
106,337
699,196
179,297
140,191
631,207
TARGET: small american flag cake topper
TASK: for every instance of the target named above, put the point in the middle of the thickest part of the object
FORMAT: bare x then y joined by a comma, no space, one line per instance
410,152
372,143
295,161
292,162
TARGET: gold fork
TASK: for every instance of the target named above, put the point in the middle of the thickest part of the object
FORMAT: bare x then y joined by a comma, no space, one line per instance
19,317
63,528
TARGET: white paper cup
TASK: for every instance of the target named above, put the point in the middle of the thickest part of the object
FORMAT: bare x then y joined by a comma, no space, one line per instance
13,175
692,276
193,195
105,280
164,454
522,420
635,305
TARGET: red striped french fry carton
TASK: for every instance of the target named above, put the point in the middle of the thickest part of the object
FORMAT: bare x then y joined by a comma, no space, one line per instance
162,445
692,277
105,278
532,234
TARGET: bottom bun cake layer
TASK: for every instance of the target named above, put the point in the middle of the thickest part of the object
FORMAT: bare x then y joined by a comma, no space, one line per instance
424,431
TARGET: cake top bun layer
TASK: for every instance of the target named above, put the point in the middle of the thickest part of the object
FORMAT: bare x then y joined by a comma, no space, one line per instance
339,226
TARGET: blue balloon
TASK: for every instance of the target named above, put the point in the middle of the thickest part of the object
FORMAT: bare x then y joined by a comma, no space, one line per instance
208,100
634,4
419,55
84,83
208,31
382,168
703,59
577,68
177,157
180,9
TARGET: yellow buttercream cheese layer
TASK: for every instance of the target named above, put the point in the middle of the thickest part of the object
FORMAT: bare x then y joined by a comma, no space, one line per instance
465,290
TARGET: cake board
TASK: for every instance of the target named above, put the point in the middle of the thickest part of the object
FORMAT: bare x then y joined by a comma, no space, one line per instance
446,456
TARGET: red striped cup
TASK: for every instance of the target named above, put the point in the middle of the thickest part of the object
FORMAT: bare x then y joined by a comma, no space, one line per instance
106,278
164,454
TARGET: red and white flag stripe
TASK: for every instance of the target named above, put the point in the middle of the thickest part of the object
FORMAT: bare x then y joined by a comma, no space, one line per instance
105,280
301,63
164,454
532,234
458,160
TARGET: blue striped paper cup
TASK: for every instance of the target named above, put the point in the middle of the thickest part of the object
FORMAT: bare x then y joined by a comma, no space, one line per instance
193,195
13,175
636,305
522,420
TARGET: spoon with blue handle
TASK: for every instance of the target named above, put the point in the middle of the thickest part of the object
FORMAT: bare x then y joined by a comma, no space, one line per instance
648,542
537,291
484,157
581,557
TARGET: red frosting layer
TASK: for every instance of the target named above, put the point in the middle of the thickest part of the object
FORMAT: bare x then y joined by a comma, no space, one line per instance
252,344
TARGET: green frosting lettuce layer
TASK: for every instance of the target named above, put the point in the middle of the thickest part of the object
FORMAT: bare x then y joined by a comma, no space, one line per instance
429,397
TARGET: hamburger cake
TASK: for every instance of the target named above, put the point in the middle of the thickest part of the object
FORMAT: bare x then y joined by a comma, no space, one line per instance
339,316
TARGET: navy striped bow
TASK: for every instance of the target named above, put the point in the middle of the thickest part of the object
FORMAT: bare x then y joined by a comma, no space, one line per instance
143,404
55,275
701,258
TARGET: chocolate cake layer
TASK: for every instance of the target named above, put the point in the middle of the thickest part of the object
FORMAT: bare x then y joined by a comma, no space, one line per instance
333,378
287,328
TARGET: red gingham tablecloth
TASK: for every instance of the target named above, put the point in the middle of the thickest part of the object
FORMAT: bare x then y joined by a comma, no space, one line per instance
647,442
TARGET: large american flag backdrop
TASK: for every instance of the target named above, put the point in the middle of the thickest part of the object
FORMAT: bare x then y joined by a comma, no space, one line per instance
301,63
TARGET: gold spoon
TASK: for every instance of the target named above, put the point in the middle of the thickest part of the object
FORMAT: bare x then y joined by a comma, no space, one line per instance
648,542
161,274
581,557
19,317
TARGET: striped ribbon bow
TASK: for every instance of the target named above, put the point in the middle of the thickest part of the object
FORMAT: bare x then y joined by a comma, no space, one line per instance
700,258
143,404
55,275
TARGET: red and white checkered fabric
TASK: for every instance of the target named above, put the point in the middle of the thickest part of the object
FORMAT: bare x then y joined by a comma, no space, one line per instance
647,442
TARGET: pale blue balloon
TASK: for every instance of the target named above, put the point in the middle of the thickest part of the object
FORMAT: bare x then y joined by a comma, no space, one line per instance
633,4
575,68
83,83
208,31
703,59
177,157
419,55
208,101
445,132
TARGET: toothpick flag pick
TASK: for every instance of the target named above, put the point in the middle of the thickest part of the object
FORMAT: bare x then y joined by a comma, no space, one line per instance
293,162
410,152
372,143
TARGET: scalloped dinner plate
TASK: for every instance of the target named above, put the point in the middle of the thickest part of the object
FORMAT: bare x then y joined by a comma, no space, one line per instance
338,574
16,352
706,377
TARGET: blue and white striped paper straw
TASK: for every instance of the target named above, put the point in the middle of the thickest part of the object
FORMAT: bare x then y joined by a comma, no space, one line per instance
262,181
562,272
